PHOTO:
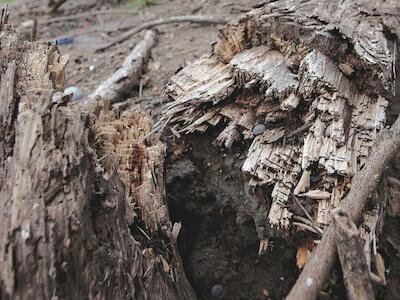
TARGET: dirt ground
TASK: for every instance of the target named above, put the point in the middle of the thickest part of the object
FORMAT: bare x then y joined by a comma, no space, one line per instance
218,243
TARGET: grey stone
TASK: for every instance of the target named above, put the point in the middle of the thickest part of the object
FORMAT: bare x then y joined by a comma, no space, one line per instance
216,291
74,91
259,129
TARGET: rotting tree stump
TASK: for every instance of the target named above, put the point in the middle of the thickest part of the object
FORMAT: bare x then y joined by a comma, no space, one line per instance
83,212
303,88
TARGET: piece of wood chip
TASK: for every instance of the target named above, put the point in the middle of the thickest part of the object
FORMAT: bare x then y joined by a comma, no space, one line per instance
316,195
302,256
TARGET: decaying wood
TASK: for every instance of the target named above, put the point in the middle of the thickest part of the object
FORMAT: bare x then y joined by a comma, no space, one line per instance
122,81
75,187
319,87
364,183
151,24
356,273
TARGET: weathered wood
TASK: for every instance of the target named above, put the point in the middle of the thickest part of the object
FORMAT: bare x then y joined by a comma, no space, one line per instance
317,270
319,87
122,81
68,182
325,66
356,274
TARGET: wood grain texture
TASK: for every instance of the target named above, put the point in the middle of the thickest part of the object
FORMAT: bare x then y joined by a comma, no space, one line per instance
318,74
69,179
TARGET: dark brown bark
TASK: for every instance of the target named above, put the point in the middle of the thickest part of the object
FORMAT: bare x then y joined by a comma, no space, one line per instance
68,183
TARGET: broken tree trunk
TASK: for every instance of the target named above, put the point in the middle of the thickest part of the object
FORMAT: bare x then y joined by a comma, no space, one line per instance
303,87
83,213
305,90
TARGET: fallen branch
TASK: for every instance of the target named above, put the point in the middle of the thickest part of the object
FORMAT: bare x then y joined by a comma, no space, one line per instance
190,18
86,14
318,268
121,81
356,274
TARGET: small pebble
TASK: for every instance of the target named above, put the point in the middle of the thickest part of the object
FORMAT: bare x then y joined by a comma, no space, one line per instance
91,68
75,91
259,129
216,291
27,24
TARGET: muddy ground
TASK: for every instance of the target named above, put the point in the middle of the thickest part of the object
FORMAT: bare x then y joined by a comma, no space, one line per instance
218,242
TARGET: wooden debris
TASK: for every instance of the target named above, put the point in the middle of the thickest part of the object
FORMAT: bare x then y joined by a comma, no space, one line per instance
380,267
263,247
364,183
320,117
302,256
281,66
121,82
316,195
350,249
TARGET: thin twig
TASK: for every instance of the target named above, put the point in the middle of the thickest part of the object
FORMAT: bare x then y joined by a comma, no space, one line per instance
85,15
190,18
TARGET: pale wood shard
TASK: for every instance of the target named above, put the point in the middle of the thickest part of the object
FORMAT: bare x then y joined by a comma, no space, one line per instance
267,69
320,88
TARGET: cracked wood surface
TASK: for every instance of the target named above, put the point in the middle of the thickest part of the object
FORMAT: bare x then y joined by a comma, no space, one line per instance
325,67
69,179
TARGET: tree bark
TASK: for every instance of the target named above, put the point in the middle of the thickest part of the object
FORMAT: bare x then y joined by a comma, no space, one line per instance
83,213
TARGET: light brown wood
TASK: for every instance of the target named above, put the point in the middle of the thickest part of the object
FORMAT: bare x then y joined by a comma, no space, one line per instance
317,269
